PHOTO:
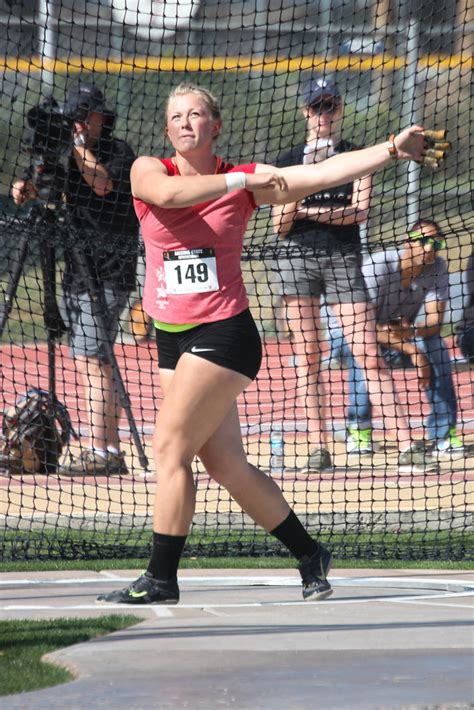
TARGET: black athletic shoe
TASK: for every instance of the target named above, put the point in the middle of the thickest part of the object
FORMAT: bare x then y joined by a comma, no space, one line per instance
314,571
144,590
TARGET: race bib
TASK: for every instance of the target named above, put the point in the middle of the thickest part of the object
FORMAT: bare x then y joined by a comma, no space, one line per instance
190,271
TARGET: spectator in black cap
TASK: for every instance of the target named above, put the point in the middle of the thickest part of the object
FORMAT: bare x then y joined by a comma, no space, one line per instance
100,208
323,232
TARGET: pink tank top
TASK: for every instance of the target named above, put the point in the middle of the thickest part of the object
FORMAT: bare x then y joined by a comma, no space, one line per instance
193,272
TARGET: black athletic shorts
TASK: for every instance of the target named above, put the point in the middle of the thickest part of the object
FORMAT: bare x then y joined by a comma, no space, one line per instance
233,343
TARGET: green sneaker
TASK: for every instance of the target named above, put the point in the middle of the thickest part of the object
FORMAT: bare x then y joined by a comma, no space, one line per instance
144,590
449,449
359,441
319,460
454,439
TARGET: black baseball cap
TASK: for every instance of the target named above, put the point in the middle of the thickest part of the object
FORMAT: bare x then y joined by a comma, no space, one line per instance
319,89
83,98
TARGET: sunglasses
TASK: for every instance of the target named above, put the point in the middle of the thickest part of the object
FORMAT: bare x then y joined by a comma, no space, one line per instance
327,106
437,244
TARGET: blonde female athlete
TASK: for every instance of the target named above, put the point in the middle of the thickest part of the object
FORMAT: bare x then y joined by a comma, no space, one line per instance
194,209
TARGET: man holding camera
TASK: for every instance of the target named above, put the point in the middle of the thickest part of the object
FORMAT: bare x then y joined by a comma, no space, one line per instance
100,215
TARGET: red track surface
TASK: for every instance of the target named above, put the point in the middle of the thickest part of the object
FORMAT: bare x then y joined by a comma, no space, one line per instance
274,391
271,395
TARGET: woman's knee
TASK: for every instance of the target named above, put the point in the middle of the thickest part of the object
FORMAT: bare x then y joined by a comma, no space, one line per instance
227,472
169,455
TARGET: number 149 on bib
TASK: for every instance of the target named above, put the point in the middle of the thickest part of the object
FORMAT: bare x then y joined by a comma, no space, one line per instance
190,271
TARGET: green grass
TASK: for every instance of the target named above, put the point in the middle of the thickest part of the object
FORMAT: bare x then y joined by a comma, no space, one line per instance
25,323
228,562
24,643
106,548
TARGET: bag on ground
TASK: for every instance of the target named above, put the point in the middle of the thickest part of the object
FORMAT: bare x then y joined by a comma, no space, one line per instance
35,431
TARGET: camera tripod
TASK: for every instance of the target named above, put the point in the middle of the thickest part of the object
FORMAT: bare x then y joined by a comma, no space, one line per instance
43,219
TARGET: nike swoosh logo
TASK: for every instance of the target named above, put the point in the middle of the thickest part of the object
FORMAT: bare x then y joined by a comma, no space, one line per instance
194,349
137,595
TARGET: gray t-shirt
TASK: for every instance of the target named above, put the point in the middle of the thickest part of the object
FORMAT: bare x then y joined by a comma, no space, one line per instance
382,278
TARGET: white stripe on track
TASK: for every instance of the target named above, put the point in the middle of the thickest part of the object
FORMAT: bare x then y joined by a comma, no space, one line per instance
168,611
438,604
409,583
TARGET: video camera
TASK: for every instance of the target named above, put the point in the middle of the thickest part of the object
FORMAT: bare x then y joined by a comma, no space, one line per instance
51,138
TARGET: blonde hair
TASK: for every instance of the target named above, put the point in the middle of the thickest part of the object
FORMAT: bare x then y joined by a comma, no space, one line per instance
207,98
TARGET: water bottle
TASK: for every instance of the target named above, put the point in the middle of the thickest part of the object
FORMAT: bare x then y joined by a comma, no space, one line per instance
277,449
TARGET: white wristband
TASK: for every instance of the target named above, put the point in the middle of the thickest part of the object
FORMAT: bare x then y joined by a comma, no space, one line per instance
235,181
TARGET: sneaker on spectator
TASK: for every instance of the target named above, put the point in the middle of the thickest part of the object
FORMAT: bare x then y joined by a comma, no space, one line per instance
91,463
416,460
144,590
314,571
449,449
319,460
359,441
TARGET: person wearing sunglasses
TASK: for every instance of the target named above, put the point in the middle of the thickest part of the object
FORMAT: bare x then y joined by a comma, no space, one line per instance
324,259
409,290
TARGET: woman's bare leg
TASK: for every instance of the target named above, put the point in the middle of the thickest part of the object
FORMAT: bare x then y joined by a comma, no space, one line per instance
224,459
198,396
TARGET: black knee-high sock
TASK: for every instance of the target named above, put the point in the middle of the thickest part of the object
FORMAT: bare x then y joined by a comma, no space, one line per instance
295,537
165,555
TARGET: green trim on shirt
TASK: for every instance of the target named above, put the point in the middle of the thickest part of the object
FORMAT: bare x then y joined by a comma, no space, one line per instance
174,328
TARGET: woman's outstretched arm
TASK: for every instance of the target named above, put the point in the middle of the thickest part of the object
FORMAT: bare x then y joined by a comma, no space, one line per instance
271,185
303,180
